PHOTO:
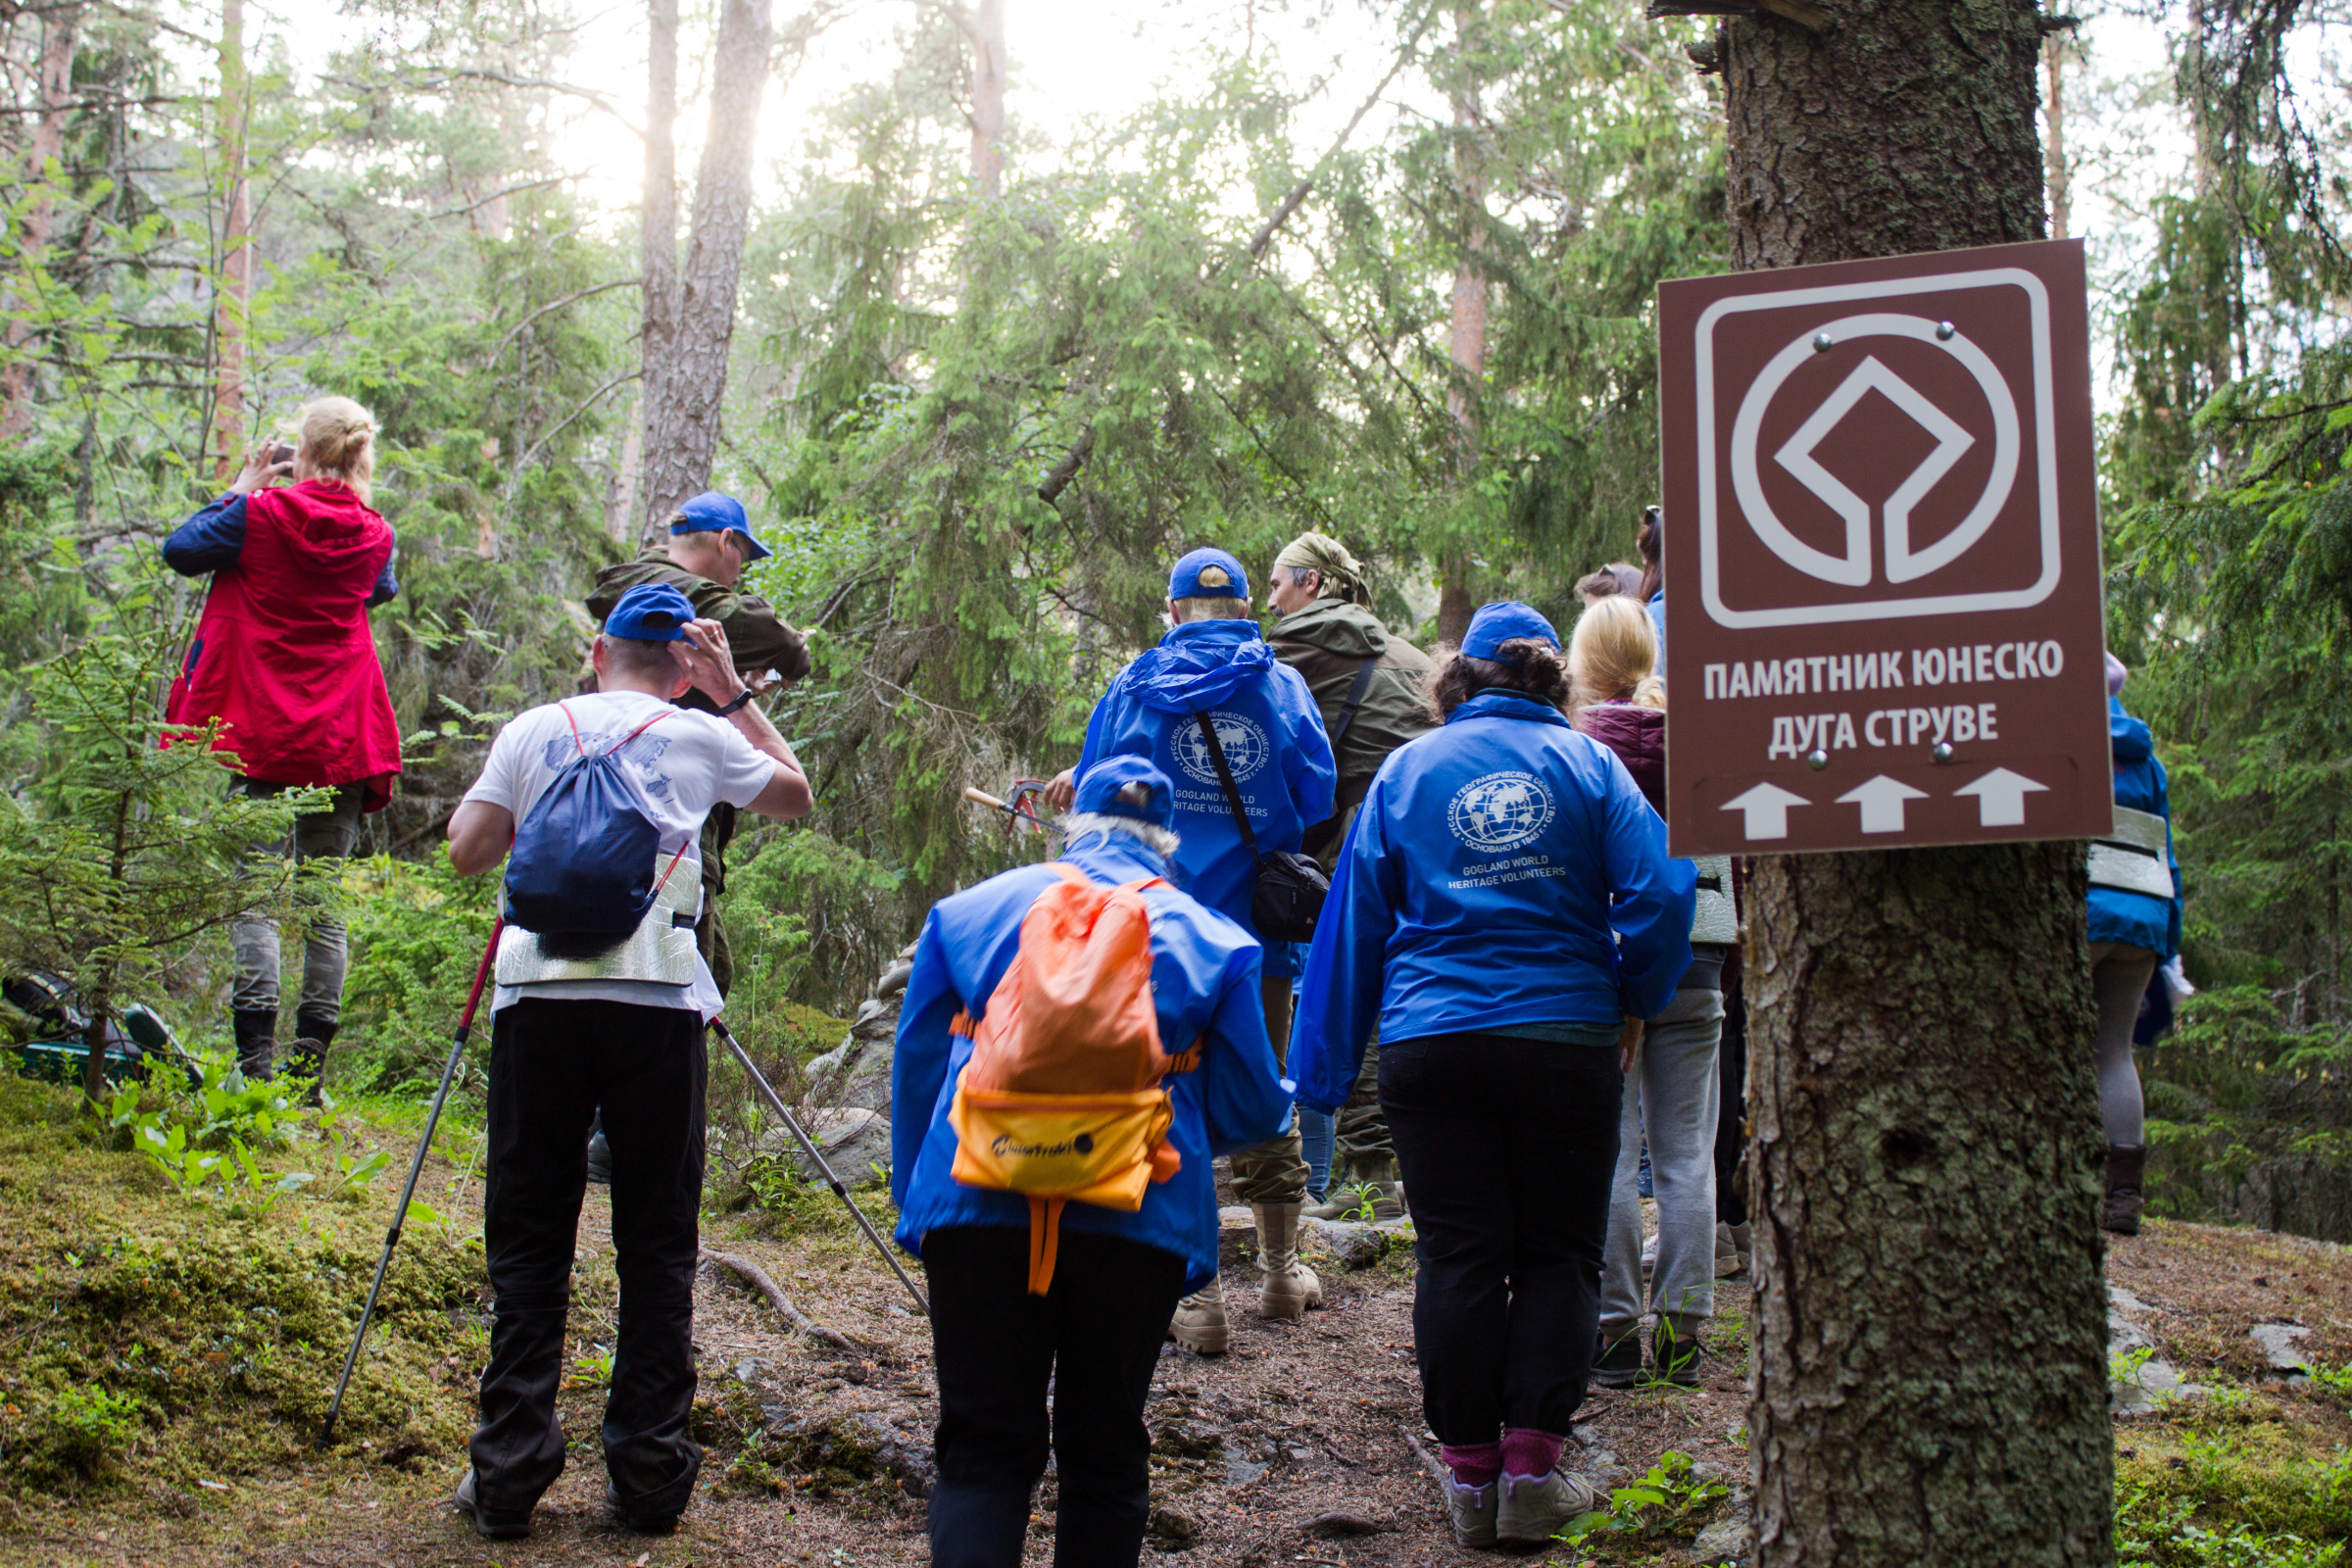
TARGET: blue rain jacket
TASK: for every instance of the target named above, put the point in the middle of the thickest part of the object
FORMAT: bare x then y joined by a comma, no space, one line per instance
1205,980
2139,918
1266,714
1504,870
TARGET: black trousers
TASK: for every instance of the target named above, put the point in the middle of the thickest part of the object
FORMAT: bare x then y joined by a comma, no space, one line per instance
1507,1146
552,1063
1095,1339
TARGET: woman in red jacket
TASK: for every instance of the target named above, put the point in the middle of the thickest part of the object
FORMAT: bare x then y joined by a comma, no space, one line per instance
285,659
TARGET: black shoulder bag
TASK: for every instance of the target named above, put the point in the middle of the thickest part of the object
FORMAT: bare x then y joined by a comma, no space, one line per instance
1291,888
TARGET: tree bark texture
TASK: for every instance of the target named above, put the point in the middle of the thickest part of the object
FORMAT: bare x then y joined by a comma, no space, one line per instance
232,296
658,240
986,33
1930,1373
61,42
2061,174
682,420
1466,329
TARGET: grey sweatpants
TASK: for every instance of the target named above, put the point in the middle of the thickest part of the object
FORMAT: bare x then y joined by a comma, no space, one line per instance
1672,1089
2119,977
327,835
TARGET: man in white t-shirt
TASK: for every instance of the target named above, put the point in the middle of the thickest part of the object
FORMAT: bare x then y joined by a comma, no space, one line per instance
621,1028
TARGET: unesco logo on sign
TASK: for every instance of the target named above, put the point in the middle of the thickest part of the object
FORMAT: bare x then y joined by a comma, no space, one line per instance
1247,749
1880,461
1500,811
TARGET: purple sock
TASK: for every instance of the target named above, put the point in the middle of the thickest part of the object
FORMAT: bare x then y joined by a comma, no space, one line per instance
1477,1464
1526,1451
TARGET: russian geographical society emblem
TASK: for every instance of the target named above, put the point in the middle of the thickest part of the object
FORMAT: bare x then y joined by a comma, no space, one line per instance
1245,749
1500,811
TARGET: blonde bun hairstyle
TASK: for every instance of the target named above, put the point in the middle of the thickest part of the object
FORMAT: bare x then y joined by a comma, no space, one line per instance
336,437
1613,655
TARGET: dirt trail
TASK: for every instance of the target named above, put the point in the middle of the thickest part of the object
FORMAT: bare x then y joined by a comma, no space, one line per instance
813,1448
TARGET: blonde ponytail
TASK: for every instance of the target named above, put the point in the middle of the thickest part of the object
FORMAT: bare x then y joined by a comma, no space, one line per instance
1613,652
336,437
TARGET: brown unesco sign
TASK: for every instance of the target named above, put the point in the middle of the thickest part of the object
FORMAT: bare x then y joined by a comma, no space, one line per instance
1882,553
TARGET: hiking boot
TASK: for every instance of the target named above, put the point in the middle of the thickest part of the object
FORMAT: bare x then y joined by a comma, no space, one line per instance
1743,1241
1200,1321
2127,1165
1538,1507
1617,1364
1342,1202
256,1040
1387,1202
1470,1510
643,1524
489,1524
307,1058
1729,1261
1677,1354
1287,1286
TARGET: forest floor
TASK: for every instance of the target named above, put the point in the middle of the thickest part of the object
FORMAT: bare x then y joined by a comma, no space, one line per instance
816,1453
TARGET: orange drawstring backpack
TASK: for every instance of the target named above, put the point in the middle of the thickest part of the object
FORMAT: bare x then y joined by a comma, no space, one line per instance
1062,1098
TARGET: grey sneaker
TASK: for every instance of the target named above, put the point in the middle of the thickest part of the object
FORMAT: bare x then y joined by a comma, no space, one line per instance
1471,1510
1538,1507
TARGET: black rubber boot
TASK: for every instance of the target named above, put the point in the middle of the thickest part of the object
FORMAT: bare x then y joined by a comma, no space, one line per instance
306,1058
2127,1166
257,1040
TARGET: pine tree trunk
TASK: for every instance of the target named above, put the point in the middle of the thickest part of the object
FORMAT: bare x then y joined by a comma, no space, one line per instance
61,41
987,37
658,239
234,293
1930,1378
683,422
1466,329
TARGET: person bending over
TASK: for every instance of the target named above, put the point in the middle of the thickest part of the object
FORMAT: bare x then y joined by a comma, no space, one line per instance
621,1028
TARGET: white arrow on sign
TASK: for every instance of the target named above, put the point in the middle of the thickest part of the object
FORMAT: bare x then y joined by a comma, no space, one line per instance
1767,808
1882,801
2001,798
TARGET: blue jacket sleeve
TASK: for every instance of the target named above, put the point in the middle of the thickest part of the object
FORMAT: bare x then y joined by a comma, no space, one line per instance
918,1065
1653,898
213,538
1243,1100
387,585
2172,860
1098,730
1339,1003
1314,776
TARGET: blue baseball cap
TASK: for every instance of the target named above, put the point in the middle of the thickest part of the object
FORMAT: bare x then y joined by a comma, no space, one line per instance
1496,624
713,511
651,612
1105,782
1208,573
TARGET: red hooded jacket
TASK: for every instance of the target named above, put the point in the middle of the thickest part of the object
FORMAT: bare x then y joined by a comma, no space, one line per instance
284,655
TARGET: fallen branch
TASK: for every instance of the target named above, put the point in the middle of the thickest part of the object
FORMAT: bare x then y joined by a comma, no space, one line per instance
756,1277
1429,1460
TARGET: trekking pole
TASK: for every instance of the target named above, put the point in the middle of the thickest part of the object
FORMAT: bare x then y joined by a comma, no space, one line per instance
808,1145
449,1069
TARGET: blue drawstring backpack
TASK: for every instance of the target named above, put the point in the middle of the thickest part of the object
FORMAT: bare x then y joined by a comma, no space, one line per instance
581,873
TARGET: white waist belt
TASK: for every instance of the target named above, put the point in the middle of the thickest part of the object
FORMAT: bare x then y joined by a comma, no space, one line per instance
2133,859
660,951
1714,918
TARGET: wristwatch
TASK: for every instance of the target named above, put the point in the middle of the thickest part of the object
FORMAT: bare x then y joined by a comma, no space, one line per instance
742,700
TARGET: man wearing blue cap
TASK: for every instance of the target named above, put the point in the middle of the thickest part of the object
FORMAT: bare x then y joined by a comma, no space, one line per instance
621,1028
710,542
1095,1336
1261,716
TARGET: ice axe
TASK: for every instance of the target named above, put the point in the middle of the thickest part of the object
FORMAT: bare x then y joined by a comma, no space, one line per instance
808,1144
1020,807
400,1215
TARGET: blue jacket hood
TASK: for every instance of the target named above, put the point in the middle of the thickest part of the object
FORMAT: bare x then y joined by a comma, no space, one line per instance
1503,872
1205,987
1198,665
2127,735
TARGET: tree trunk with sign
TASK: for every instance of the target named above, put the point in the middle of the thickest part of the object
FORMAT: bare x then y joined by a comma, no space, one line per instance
1930,1378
